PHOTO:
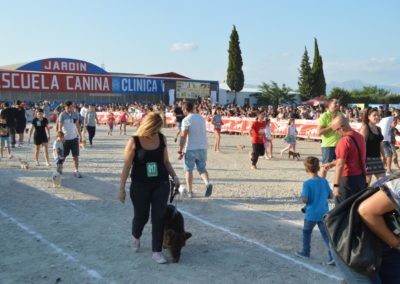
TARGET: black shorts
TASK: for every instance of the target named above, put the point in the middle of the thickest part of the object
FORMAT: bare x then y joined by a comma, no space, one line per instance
259,149
71,146
20,129
40,139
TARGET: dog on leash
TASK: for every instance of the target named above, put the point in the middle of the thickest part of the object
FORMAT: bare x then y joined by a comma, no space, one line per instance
295,155
174,233
56,179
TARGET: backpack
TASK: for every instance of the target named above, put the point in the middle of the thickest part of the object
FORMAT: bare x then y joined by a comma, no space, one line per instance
351,239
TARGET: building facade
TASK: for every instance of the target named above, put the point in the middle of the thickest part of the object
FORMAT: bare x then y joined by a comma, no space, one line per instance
61,79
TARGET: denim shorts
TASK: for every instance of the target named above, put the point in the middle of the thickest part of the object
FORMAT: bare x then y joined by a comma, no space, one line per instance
5,141
195,157
387,148
328,154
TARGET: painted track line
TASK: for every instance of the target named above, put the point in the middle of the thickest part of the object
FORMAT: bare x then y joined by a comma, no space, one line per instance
297,223
90,272
264,247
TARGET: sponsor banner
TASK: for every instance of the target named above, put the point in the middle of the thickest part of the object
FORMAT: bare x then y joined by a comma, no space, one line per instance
137,85
63,65
192,90
47,82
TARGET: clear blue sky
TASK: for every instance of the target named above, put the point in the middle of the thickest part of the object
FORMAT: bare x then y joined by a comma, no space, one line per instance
357,39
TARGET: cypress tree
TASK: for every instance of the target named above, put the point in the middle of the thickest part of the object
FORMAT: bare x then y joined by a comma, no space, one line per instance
305,79
235,77
317,71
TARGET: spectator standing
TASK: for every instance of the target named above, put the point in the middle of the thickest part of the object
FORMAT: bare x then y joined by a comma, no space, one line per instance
4,136
10,113
374,145
193,148
350,173
20,120
386,125
329,137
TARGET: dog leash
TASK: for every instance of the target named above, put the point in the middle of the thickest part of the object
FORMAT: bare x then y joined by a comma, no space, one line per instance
173,187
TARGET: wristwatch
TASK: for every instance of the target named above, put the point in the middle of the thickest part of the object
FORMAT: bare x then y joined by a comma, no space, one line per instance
335,185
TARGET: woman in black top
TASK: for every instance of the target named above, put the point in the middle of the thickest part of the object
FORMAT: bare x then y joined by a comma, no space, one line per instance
373,138
20,119
40,125
147,155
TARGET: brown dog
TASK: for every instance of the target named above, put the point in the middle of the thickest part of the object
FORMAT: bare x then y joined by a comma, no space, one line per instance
294,155
240,147
174,233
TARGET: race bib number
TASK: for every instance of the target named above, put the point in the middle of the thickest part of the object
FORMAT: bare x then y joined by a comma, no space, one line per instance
152,169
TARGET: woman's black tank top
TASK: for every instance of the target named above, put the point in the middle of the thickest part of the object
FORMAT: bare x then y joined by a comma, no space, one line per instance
148,165
374,143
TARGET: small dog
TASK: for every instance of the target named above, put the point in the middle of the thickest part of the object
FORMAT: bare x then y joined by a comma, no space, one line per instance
174,233
82,144
241,147
24,165
294,155
56,179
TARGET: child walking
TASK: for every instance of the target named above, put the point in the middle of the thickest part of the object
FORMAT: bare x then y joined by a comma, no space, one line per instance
315,195
110,123
268,140
4,137
290,137
217,122
58,151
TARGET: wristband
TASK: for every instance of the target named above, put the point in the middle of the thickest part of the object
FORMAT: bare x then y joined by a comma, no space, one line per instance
335,185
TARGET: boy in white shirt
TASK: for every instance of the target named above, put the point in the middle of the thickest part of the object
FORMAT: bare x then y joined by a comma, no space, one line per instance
58,151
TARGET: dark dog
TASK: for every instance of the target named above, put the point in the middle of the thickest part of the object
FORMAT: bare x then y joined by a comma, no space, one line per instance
294,155
174,232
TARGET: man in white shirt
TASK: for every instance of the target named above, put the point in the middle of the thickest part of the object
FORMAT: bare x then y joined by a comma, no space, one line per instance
386,124
68,123
193,146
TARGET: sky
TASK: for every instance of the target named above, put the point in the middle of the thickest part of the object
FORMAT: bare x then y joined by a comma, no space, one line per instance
358,40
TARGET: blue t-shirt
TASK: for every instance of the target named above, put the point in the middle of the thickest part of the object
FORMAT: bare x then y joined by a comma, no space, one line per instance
317,192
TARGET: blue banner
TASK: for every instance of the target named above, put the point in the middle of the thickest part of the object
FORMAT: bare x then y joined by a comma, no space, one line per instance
137,85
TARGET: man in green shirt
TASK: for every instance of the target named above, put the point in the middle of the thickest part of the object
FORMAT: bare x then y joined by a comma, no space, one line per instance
329,137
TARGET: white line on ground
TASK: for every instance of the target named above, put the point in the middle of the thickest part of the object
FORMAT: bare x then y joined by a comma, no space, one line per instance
297,223
91,272
270,250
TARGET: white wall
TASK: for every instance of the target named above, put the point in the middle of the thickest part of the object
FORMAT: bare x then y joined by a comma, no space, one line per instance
227,97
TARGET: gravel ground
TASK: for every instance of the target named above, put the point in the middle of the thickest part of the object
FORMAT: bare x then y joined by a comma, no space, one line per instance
246,232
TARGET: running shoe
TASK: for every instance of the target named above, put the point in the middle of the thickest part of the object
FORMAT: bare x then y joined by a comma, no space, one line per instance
159,258
330,262
209,189
302,254
77,174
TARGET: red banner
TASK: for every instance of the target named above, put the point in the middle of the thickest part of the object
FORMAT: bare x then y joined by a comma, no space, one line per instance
54,82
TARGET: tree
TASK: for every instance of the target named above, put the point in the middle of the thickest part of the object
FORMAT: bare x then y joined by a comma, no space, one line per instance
342,95
235,77
274,95
319,85
305,79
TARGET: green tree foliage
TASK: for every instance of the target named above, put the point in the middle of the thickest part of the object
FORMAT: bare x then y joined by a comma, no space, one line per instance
235,77
368,95
272,94
305,79
319,85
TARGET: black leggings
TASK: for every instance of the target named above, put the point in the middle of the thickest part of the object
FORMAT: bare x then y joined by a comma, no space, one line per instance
258,150
92,132
143,195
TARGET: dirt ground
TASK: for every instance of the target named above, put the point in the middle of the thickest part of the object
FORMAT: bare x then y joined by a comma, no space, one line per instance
246,232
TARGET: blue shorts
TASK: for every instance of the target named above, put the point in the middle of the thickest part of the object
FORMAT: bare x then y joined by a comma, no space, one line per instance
328,154
195,157
387,148
178,125
5,141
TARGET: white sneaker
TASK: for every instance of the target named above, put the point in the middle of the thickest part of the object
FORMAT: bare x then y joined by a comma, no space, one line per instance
37,163
136,244
159,258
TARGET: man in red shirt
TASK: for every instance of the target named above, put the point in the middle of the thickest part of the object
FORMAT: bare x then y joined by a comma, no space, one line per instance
257,133
350,171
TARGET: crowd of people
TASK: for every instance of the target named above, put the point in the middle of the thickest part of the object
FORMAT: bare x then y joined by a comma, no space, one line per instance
355,156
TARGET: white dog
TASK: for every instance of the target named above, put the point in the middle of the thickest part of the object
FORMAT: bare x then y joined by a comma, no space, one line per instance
56,179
